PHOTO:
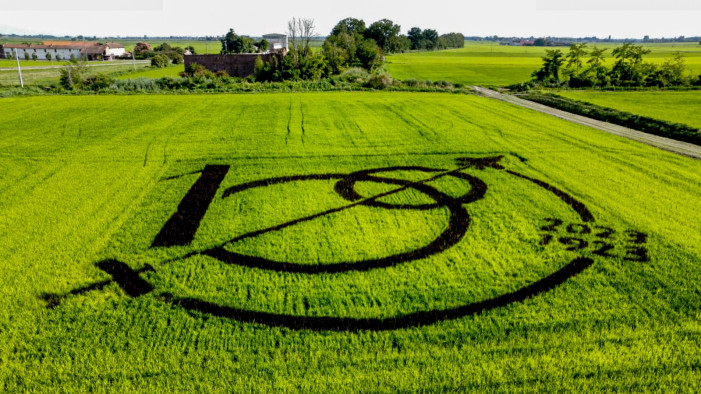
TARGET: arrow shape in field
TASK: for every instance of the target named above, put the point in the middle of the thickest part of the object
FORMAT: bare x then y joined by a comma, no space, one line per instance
126,278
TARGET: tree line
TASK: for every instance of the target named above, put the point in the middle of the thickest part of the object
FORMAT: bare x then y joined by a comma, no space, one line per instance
628,70
350,44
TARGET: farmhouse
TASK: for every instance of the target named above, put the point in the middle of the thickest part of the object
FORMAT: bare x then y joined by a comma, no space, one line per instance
64,50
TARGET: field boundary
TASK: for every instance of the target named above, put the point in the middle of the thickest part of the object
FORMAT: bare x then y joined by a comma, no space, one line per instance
668,144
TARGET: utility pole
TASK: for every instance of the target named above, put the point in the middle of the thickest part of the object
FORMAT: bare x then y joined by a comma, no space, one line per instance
134,60
19,69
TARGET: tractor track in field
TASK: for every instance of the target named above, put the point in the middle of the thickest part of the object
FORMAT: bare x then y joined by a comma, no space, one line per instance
668,144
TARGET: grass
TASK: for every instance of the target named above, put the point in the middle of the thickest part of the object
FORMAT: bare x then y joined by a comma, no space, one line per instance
12,63
84,179
678,107
488,63
172,71
50,76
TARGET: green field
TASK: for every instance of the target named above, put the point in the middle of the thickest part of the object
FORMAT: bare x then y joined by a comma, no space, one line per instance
678,107
12,63
488,63
50,76
172,71
571,260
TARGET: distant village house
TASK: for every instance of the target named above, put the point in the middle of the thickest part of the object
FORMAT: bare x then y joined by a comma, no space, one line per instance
65,50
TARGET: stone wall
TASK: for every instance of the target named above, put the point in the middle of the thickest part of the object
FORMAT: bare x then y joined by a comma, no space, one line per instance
235,65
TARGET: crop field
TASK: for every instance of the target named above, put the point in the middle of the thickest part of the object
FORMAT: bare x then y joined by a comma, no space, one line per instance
678,107
340,241
488,63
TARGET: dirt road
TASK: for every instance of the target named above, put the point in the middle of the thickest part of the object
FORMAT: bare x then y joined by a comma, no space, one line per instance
679,147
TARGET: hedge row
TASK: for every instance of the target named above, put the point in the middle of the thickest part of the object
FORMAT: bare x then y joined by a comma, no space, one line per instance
662,128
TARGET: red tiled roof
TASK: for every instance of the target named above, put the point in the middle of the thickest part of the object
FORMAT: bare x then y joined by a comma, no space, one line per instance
91,47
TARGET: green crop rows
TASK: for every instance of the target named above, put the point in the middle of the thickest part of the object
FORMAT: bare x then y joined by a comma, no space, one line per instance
89,181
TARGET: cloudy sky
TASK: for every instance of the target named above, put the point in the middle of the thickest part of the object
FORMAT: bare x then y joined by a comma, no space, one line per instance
619,18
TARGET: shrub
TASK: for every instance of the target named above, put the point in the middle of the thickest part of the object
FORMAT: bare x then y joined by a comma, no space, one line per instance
48,56
197,70
259,69
444,84
176,58
26,56
97,82
160,61
73,75
379,81
58,58
355,74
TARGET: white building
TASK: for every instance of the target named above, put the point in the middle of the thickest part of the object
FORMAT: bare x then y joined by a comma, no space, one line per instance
64,50
278,42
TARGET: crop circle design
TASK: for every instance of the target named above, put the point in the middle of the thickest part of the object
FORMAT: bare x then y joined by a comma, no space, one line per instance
345,187
182,226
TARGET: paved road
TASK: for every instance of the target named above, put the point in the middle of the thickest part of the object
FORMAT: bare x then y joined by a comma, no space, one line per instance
101,64
679,147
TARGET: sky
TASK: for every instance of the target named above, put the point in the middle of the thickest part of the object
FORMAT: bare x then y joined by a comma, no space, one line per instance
564,18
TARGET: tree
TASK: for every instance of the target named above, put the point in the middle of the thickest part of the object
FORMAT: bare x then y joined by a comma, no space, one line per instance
301,62
451,40
263,45
48,56
300,32
430,38
398,44
191,49
630,53
369,54
575,55
628,69
234,43
352,26
383,32
552,62
165,47
73,75
141,49
540,42
596,56
415,36
673,70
